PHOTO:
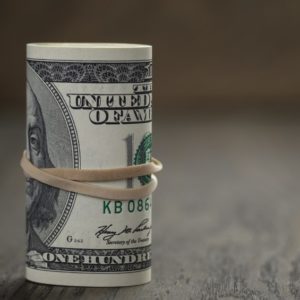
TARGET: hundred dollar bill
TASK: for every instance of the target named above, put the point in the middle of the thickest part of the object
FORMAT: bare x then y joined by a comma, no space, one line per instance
88,106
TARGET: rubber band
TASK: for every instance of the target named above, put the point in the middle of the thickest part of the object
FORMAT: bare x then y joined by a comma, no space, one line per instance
99,175
75,180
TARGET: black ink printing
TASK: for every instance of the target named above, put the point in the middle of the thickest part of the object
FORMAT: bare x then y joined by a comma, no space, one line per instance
107,233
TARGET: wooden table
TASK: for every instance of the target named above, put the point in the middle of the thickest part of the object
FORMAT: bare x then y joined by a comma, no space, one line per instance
226,213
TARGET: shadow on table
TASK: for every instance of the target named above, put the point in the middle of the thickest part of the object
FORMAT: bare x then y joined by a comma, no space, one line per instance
23,289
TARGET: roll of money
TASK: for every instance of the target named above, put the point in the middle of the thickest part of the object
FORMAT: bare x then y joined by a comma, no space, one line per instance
89,106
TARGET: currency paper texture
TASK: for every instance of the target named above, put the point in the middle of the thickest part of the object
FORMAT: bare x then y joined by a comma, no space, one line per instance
88,106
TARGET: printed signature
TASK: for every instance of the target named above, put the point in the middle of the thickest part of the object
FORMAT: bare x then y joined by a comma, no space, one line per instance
107,232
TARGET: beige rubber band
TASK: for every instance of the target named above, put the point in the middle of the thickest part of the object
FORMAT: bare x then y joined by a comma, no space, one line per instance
65,179
98,175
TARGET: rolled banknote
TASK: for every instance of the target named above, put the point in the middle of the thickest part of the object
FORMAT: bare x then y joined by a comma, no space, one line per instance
89,106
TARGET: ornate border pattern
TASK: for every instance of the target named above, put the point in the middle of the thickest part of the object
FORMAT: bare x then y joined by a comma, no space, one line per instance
97,266
93,72
76,163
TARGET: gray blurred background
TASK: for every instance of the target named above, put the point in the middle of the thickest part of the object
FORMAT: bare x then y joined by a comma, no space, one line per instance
206,53
226,126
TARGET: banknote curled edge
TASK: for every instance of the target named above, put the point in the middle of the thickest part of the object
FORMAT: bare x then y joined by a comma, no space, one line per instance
88,106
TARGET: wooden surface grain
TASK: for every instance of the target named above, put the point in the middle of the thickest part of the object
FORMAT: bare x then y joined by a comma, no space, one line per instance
225,218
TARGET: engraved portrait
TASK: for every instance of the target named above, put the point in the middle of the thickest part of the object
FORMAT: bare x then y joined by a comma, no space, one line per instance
40,198
47,208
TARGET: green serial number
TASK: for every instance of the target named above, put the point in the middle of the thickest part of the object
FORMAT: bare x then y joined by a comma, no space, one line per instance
117,207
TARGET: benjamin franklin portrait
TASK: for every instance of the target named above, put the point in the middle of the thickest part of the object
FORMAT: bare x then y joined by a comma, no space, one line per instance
41,199
49,145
